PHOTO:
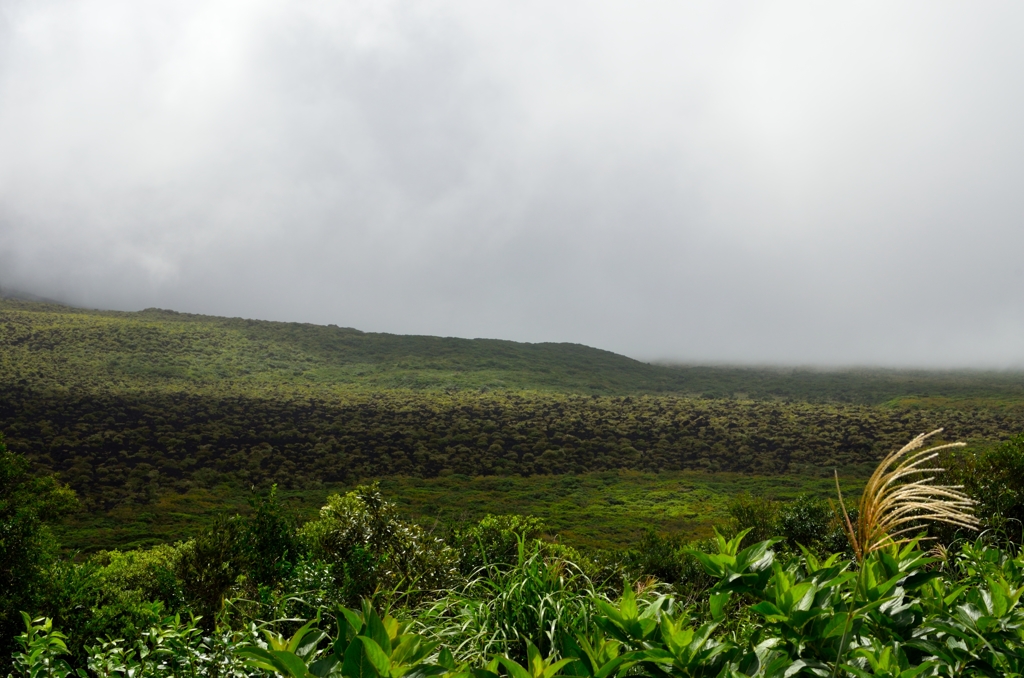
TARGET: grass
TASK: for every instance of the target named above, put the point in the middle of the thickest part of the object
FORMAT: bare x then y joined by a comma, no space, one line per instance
594,510
900,494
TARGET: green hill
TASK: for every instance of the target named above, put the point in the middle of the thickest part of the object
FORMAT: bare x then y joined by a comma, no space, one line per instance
52,346
155,417
49,345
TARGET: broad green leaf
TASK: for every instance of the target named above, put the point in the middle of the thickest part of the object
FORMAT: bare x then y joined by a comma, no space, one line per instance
534,662
258,657
860,673
374,652
279,661
325,666
757,556
612,667
353,624
718,601
445,659
768,610
290,661
627,605
307,648
391,626
552,669
407,650
954,594
357,663
296,640
513,668
424,671
919,579
375,630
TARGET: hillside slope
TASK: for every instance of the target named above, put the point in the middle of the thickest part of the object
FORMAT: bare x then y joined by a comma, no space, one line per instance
146,413
51,346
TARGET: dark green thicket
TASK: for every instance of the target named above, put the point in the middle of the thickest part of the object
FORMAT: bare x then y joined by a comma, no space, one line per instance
495,540
994,477
257,551
814,523
371,549
269,546
806,521
130,448
668,559
27,551
764,613
210,564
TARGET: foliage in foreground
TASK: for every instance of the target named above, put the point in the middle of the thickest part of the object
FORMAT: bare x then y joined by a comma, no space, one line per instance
901,613
258,595
27,503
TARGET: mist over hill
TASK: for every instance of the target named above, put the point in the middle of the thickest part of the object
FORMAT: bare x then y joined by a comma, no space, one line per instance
62,346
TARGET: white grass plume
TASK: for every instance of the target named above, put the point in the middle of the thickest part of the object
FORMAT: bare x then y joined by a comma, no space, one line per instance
892,504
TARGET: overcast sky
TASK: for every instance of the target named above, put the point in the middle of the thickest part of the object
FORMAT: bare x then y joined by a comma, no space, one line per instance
800,183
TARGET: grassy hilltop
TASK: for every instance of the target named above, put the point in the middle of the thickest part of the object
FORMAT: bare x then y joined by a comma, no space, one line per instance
159,419
53,346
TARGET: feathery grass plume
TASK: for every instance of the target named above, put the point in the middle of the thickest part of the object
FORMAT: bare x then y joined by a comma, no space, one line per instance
892,503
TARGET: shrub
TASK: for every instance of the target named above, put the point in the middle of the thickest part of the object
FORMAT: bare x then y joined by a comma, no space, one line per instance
148,573
814,523
372,550
494,540
27,548
269,547
504,608
994,478
116,594
210,565
668,559
761,516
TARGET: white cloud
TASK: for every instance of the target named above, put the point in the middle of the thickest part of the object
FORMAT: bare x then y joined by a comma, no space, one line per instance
790,182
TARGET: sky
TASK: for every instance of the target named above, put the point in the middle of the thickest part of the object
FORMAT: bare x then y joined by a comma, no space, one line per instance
796,183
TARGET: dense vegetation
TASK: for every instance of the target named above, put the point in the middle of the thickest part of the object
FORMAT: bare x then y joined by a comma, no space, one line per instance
360,592
116,447
438,569
51,347
599,510
136,409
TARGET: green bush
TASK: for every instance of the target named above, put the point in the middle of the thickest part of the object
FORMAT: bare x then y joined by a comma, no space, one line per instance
28,550
209,566
531,608
814,523
149,573
668,559
993,477
760,516
776,615
372,550
506,608
115,594
269,546
806,521
494,540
